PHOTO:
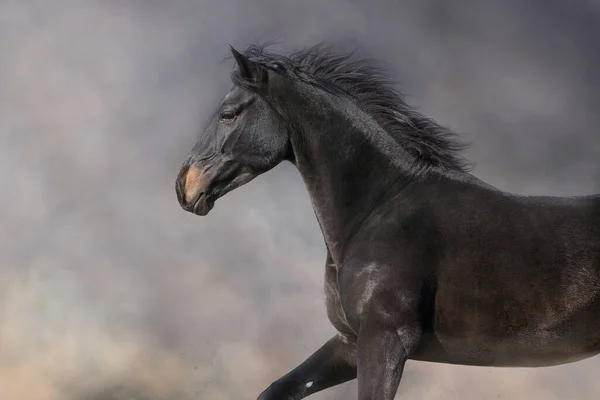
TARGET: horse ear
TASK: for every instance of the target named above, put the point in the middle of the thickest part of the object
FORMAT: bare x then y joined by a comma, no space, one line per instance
248,69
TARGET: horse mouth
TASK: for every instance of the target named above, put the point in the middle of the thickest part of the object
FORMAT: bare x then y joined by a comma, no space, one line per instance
203,205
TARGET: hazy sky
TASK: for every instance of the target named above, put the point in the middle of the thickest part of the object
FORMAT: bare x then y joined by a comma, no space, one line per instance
108,289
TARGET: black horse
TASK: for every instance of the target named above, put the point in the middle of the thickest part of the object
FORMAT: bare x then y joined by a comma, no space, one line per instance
424,261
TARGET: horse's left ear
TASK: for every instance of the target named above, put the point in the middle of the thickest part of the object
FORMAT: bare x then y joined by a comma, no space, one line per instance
249,70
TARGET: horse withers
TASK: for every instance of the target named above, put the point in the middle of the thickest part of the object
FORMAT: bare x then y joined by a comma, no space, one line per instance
424,261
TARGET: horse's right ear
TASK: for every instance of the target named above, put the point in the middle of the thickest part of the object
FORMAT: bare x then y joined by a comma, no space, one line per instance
249,70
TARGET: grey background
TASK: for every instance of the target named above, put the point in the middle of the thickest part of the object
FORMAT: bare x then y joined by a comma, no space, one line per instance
108,290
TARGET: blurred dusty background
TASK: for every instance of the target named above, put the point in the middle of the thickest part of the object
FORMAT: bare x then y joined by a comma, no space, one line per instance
109,291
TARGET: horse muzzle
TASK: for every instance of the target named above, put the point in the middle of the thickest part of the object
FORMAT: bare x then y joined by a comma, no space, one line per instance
192,190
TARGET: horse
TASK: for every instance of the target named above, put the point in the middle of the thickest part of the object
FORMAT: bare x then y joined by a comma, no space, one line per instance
424,261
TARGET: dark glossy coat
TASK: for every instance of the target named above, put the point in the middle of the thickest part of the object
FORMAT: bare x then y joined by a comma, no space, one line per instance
424,261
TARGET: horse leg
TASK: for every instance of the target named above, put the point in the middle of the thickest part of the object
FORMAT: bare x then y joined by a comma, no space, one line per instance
333,364
381,353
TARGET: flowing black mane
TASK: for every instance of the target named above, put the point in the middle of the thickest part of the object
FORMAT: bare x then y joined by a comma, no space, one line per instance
369,83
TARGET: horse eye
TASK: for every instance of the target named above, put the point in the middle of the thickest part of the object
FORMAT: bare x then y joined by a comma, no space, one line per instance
227,116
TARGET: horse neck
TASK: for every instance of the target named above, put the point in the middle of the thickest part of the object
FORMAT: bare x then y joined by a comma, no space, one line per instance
348,162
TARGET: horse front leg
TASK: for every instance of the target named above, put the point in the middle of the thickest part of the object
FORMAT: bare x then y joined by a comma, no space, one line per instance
381,353
334,363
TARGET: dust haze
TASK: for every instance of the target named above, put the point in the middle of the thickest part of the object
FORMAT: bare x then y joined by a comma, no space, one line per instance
110,291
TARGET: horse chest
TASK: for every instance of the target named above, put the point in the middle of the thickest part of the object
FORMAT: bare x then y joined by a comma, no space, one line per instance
333,302
348,295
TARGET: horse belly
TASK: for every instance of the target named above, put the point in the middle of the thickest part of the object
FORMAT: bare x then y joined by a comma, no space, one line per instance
436,350
538,338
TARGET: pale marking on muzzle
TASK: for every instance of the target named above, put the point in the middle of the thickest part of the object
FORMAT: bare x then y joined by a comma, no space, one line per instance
194,182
